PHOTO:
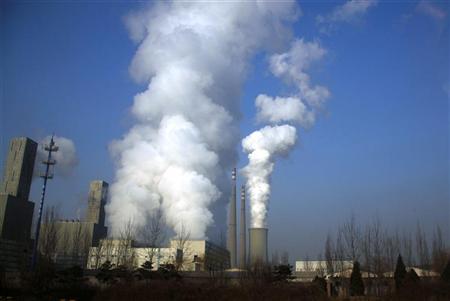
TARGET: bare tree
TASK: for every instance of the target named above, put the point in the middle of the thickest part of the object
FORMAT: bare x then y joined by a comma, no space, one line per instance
48,239
182,243
329,251
125,252
77,241
422,250
153,234
275,258
307,264
102,253
285,258
351,235
321,266
439,253
392,250
407,249
378,251
367,248
339,255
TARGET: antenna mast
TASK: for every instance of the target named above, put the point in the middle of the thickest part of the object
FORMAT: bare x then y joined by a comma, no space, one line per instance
50,148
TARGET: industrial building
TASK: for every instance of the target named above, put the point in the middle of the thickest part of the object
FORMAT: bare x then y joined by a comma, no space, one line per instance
16,211
202,255
231,237
307,270
74,238
258,237
192,256
122,252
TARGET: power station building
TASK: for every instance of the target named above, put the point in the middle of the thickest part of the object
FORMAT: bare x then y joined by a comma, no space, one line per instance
74,238
202,255
231,237
16,211
191,256
123,252
258,237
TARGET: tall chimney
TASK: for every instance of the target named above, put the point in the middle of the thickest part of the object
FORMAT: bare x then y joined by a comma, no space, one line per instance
257,245
242,232
232,240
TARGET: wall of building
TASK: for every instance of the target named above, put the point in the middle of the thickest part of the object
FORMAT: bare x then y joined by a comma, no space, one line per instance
16,216
14,256
19,168
202,255
321,265
122,252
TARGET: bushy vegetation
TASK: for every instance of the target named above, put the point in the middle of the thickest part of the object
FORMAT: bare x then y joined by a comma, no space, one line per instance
400,273
182,290
356,282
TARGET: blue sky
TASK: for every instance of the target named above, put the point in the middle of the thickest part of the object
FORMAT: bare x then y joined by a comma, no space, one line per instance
381,146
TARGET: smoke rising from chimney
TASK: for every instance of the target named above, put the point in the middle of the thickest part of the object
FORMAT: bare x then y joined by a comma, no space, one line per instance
265,145
194,57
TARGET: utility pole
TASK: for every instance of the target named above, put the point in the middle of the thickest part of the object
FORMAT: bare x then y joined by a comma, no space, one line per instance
47,175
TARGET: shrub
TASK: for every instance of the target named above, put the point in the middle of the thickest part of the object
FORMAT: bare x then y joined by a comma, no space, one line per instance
356,282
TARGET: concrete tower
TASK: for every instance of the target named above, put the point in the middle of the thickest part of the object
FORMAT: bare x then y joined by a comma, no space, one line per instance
98,194
16,212
242,232
19,168
231,238
257,245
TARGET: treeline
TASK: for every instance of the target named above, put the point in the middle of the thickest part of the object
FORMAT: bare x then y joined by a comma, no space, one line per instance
377,248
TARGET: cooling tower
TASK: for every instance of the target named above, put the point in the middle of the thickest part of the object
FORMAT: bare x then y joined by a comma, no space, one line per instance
242,233
232,239
257,245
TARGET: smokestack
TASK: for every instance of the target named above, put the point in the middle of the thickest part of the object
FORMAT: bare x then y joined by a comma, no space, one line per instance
232,240
257,245
242,231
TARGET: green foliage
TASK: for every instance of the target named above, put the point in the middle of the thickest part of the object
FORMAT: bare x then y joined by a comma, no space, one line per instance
445,276
412,277
145,271
70,276
105,273
106,266
148,265
282,272
168,271
400,272
321,283
356,282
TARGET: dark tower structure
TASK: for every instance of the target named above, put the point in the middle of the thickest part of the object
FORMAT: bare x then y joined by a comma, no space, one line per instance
95,215
16,212
231,239
19,168
242,232
98,194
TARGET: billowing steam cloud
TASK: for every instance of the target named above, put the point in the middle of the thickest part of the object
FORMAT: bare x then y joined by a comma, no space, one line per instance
283,109
265,145
66,157
194,57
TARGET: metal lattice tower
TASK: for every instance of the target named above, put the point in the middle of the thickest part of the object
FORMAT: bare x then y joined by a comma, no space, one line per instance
50,148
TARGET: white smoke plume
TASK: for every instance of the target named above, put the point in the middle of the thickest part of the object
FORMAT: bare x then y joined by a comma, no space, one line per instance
348,12
292,66
283,109
66,156
194,57
265,145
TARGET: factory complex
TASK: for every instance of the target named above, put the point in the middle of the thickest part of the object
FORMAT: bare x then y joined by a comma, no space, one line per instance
85,242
